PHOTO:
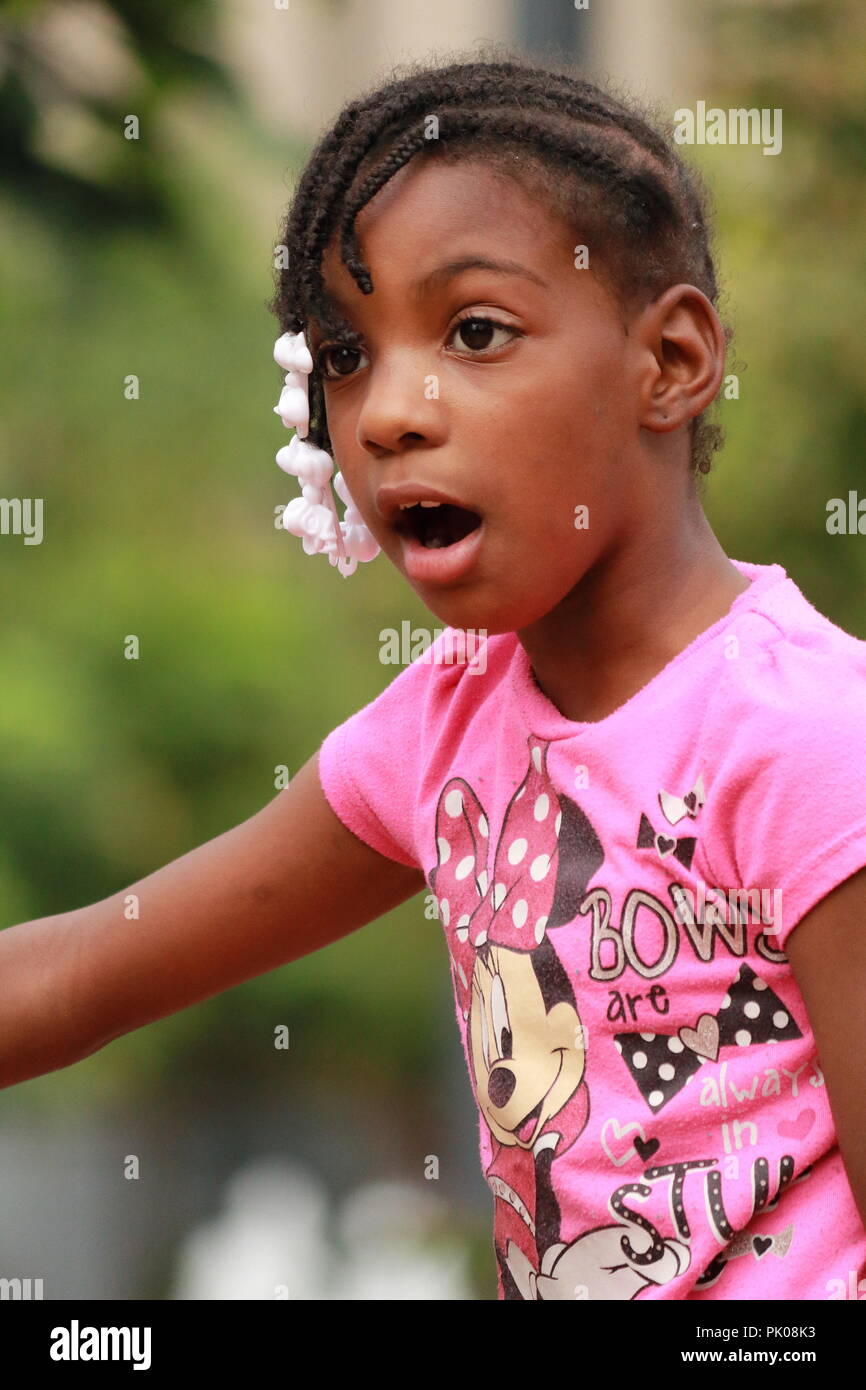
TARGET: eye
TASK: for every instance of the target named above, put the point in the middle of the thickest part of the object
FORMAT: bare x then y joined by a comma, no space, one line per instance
499,1010
343,353
336,361
485,1036
476,332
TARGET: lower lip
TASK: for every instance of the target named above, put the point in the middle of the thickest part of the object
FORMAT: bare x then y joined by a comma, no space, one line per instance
443,564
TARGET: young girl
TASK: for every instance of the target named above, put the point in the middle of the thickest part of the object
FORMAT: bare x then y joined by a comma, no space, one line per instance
636,798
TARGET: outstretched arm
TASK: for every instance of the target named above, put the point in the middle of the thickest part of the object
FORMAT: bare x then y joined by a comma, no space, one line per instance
286,882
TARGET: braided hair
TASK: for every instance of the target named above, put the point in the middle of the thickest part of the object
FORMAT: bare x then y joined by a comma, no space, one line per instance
598,161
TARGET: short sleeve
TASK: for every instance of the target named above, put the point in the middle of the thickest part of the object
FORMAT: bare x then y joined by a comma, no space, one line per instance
371,766
785,774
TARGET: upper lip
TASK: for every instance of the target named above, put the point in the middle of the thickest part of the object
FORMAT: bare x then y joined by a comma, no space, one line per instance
392,497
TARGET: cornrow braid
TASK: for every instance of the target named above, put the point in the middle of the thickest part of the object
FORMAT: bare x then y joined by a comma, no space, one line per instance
646,202
604,164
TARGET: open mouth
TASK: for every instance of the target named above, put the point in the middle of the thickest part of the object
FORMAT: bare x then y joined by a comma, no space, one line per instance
437,525
527,1124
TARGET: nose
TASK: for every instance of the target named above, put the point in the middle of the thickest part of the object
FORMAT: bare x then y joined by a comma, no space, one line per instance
500,1085
401,406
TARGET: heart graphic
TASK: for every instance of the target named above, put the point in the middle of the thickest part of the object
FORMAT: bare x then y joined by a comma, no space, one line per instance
664,845
646,1148
761,1244
704,1040
799,1128
690,801
620,1131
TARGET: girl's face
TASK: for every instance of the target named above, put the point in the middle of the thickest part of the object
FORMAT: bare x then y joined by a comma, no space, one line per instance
510,387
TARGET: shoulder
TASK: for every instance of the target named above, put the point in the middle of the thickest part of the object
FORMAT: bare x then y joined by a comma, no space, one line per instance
455,671
790,681
431,703
781,757
373,766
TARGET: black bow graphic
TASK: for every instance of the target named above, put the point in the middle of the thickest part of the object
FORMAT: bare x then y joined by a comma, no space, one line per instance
662,1063
683,849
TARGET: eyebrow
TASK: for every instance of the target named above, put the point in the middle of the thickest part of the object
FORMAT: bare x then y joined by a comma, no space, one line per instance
441,275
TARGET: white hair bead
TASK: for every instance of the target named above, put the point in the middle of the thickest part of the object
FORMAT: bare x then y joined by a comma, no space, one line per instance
313,516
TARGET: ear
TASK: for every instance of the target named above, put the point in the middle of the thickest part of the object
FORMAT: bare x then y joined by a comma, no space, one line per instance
682,346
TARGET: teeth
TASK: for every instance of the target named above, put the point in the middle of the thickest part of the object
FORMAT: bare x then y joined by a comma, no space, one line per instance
405,505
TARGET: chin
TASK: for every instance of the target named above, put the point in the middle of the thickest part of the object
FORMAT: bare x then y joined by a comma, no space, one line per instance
468,609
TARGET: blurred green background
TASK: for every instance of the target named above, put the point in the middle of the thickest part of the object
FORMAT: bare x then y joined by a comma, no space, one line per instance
154,257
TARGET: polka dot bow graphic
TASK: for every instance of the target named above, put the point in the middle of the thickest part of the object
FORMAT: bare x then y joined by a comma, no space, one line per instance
546,855
663,1063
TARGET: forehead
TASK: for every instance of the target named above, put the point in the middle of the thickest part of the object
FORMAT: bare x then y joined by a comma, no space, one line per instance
433,210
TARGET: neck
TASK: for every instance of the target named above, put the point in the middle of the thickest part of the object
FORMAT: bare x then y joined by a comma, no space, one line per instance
632,613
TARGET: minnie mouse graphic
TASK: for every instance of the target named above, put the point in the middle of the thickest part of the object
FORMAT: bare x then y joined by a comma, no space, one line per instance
524,1038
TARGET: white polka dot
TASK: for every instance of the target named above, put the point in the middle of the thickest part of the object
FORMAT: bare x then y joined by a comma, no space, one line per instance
536,758
463,921
675,1045
758,983
726,1002
780,1019
445,910
667,1072
558,822
639,1060
656,1097
462,975
752,1009
618,1045
483,827
499,891
542,806
516,850
743,1037
539,867
647,1037
481,938
519,911
454,802
482,882
466,865
444,850
540,928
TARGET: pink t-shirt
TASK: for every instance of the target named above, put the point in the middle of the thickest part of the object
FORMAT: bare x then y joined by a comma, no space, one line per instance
616,897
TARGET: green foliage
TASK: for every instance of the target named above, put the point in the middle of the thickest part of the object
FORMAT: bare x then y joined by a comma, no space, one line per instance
152,48
159,523
793,250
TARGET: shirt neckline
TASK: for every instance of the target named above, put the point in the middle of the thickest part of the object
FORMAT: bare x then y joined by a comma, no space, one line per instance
547,721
